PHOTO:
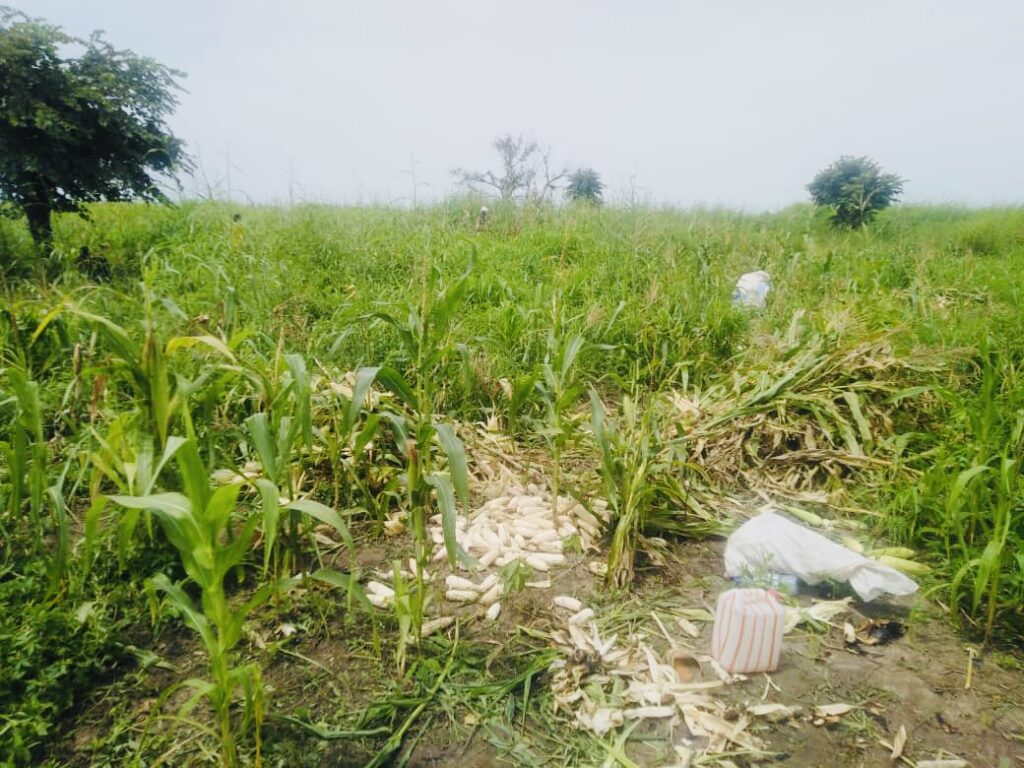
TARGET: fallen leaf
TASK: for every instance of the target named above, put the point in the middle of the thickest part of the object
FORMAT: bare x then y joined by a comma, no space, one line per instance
821,612
898,743
698,722
602,721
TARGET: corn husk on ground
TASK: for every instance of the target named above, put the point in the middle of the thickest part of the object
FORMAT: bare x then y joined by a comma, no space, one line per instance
604,682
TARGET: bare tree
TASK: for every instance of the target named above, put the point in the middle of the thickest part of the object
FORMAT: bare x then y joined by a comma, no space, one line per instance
525,171
551,178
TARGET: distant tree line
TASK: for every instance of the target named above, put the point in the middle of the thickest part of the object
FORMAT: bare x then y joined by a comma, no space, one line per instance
526,173
81,121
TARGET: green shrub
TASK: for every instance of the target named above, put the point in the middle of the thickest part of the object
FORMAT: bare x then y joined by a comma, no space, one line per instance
52,653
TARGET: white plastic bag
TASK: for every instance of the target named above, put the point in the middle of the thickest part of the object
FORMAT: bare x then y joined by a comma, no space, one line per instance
770,542
752,289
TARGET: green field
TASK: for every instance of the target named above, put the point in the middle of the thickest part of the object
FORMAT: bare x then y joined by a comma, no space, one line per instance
880,385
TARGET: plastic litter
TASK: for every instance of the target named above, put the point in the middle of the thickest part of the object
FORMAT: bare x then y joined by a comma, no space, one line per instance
770,542
752,289
783,582
747,636
880,631
686,665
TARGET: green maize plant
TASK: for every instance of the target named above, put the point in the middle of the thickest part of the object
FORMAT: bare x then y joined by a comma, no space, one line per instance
978,486
212,539
202,527
25,452
27,457
40,355
279,435
426,484
560,391
989,572
122,457
345,438
145,367
426,343
629,459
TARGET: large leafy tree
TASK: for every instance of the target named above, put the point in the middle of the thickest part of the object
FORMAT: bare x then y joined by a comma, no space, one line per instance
856,189
585,185
79,121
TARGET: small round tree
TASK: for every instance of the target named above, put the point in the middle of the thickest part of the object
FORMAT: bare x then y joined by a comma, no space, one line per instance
856,189
79,129
585,184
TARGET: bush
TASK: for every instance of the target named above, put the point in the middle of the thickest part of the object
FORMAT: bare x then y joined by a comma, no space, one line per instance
855,189
585,185
52,652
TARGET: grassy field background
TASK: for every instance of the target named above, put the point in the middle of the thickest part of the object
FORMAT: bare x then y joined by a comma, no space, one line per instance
897,349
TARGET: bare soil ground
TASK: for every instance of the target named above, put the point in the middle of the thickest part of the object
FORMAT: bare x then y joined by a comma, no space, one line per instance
917,681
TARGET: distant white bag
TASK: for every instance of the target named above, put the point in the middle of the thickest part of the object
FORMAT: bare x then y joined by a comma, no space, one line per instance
752,289
770,542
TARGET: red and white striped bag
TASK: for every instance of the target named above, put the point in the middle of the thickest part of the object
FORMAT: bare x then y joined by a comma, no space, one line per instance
747,635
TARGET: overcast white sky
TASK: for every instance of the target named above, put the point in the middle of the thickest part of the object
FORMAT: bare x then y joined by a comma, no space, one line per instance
730,102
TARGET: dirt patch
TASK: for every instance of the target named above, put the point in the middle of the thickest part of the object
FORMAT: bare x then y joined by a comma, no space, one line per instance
473,754
916,681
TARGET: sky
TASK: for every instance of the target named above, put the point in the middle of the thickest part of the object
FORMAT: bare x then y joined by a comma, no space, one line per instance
720,103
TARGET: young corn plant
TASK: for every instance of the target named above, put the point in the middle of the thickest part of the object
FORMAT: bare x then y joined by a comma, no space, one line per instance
213,538
279,436
345,437
211,543
25,452
969,503
425,338
560,391
988,572
629,460
122,457
145,367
